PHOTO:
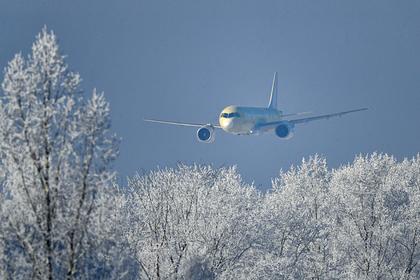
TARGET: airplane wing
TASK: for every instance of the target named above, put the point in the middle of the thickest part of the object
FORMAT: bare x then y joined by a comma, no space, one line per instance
181,123
296,114
327,116
314,118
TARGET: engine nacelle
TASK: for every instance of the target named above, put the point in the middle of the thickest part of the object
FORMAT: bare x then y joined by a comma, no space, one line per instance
285,130
206,134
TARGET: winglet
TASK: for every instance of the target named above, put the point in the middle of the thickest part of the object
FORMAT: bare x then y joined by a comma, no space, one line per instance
273,94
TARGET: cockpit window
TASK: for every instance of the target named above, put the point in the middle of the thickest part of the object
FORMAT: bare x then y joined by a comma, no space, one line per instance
231,115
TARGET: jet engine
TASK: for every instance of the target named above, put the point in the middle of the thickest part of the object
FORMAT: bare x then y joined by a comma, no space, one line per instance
285,130
206,134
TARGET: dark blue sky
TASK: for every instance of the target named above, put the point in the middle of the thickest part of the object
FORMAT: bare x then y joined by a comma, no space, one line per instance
186,60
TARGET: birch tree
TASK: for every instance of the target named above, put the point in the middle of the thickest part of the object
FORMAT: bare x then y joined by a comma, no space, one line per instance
56,150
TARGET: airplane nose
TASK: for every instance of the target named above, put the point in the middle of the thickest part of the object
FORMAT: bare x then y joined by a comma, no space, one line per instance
226,124
229,124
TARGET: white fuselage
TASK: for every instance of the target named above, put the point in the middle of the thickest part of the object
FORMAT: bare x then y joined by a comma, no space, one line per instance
247,120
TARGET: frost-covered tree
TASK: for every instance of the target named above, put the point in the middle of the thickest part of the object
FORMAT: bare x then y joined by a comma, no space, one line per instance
403,205
108,251
360,221
56,149
295,243
3,271
378,218
192,222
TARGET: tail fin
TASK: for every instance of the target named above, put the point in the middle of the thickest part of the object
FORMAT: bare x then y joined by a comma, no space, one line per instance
273,95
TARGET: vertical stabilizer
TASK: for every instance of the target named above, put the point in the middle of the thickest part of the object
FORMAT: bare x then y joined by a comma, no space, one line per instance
273,95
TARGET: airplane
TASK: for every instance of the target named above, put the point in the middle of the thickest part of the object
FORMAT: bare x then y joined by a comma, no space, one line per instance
240,120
